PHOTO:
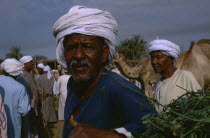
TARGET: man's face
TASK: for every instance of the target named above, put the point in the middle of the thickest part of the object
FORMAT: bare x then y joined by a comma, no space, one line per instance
160,62
85,56
29,65
40,70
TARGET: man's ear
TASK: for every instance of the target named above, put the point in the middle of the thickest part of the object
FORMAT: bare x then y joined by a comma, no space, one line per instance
105,54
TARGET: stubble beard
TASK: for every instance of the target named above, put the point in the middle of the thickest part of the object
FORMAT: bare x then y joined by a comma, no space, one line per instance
82,77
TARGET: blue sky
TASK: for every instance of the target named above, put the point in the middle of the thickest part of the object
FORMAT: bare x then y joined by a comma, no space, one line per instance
28,23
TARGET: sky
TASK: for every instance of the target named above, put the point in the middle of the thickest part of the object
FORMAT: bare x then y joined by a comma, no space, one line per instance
28,23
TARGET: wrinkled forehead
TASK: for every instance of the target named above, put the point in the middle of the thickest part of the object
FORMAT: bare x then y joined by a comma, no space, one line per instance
156,53
30,62
160,53
78,38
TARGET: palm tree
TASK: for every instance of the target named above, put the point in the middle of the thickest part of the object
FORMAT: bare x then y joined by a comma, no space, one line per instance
15,52
39,58
134,48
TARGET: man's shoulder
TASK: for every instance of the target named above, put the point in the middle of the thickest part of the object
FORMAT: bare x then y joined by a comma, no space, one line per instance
4,78
42,76
116,81
184,73
10,82
27,75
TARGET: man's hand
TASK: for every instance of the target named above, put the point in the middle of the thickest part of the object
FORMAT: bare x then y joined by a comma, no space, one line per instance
87,131
44,95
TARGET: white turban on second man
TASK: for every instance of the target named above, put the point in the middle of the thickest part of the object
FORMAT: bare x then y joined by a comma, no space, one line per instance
164,46
26,59
46,68
88,21
12,66
40,65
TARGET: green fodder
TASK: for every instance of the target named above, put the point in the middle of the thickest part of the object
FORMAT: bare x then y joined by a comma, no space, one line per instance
188,116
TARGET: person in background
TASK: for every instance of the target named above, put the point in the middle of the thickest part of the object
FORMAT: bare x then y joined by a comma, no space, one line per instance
26,126
173,82
29,65
45,83
61,91
99,103
15,97
39,68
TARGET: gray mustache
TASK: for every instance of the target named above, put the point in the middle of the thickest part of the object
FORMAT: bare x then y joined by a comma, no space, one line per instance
81,62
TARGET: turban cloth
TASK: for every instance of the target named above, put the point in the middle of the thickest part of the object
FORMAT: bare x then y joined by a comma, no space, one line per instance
12,66
87,21
164,46
49,76
47,68
40,65
26,59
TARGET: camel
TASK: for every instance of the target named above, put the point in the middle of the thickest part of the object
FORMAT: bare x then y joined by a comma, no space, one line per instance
143,72
195,60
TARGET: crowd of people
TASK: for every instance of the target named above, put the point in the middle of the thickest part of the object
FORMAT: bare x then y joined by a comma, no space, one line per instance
94,101
27,100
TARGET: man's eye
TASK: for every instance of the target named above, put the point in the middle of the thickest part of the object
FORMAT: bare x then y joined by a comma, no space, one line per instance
70,47
87,46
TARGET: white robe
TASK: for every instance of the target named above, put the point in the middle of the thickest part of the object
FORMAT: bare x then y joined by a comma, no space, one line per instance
167,90
61,89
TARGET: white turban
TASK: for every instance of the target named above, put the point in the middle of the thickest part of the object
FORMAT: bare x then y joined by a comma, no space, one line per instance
164,46
40,65
12,66
26,59
88,21
47,68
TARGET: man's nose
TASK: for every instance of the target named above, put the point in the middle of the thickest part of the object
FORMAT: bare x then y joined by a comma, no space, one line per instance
79,54
154,60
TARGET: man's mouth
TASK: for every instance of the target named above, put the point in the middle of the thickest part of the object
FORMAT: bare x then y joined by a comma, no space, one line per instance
80,67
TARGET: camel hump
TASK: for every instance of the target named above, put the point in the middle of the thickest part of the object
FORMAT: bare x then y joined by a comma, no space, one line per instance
203,41
191,46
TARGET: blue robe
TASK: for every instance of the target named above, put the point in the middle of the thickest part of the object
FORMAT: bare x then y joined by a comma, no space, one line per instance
110,106
16,103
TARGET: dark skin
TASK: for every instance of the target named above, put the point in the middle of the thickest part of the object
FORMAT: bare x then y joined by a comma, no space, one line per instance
40,70
162,64
86,56
29,66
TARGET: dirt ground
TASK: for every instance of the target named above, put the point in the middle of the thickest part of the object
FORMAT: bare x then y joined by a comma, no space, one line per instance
57,129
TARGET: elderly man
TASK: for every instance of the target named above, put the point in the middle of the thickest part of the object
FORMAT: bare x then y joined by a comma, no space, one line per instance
99,103
15,97
163,56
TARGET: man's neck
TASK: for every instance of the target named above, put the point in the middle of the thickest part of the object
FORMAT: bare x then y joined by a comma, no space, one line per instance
168,73
84,90
27,70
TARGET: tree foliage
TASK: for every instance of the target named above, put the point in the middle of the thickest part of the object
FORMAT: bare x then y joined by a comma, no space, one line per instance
38,58
133,48
15,52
